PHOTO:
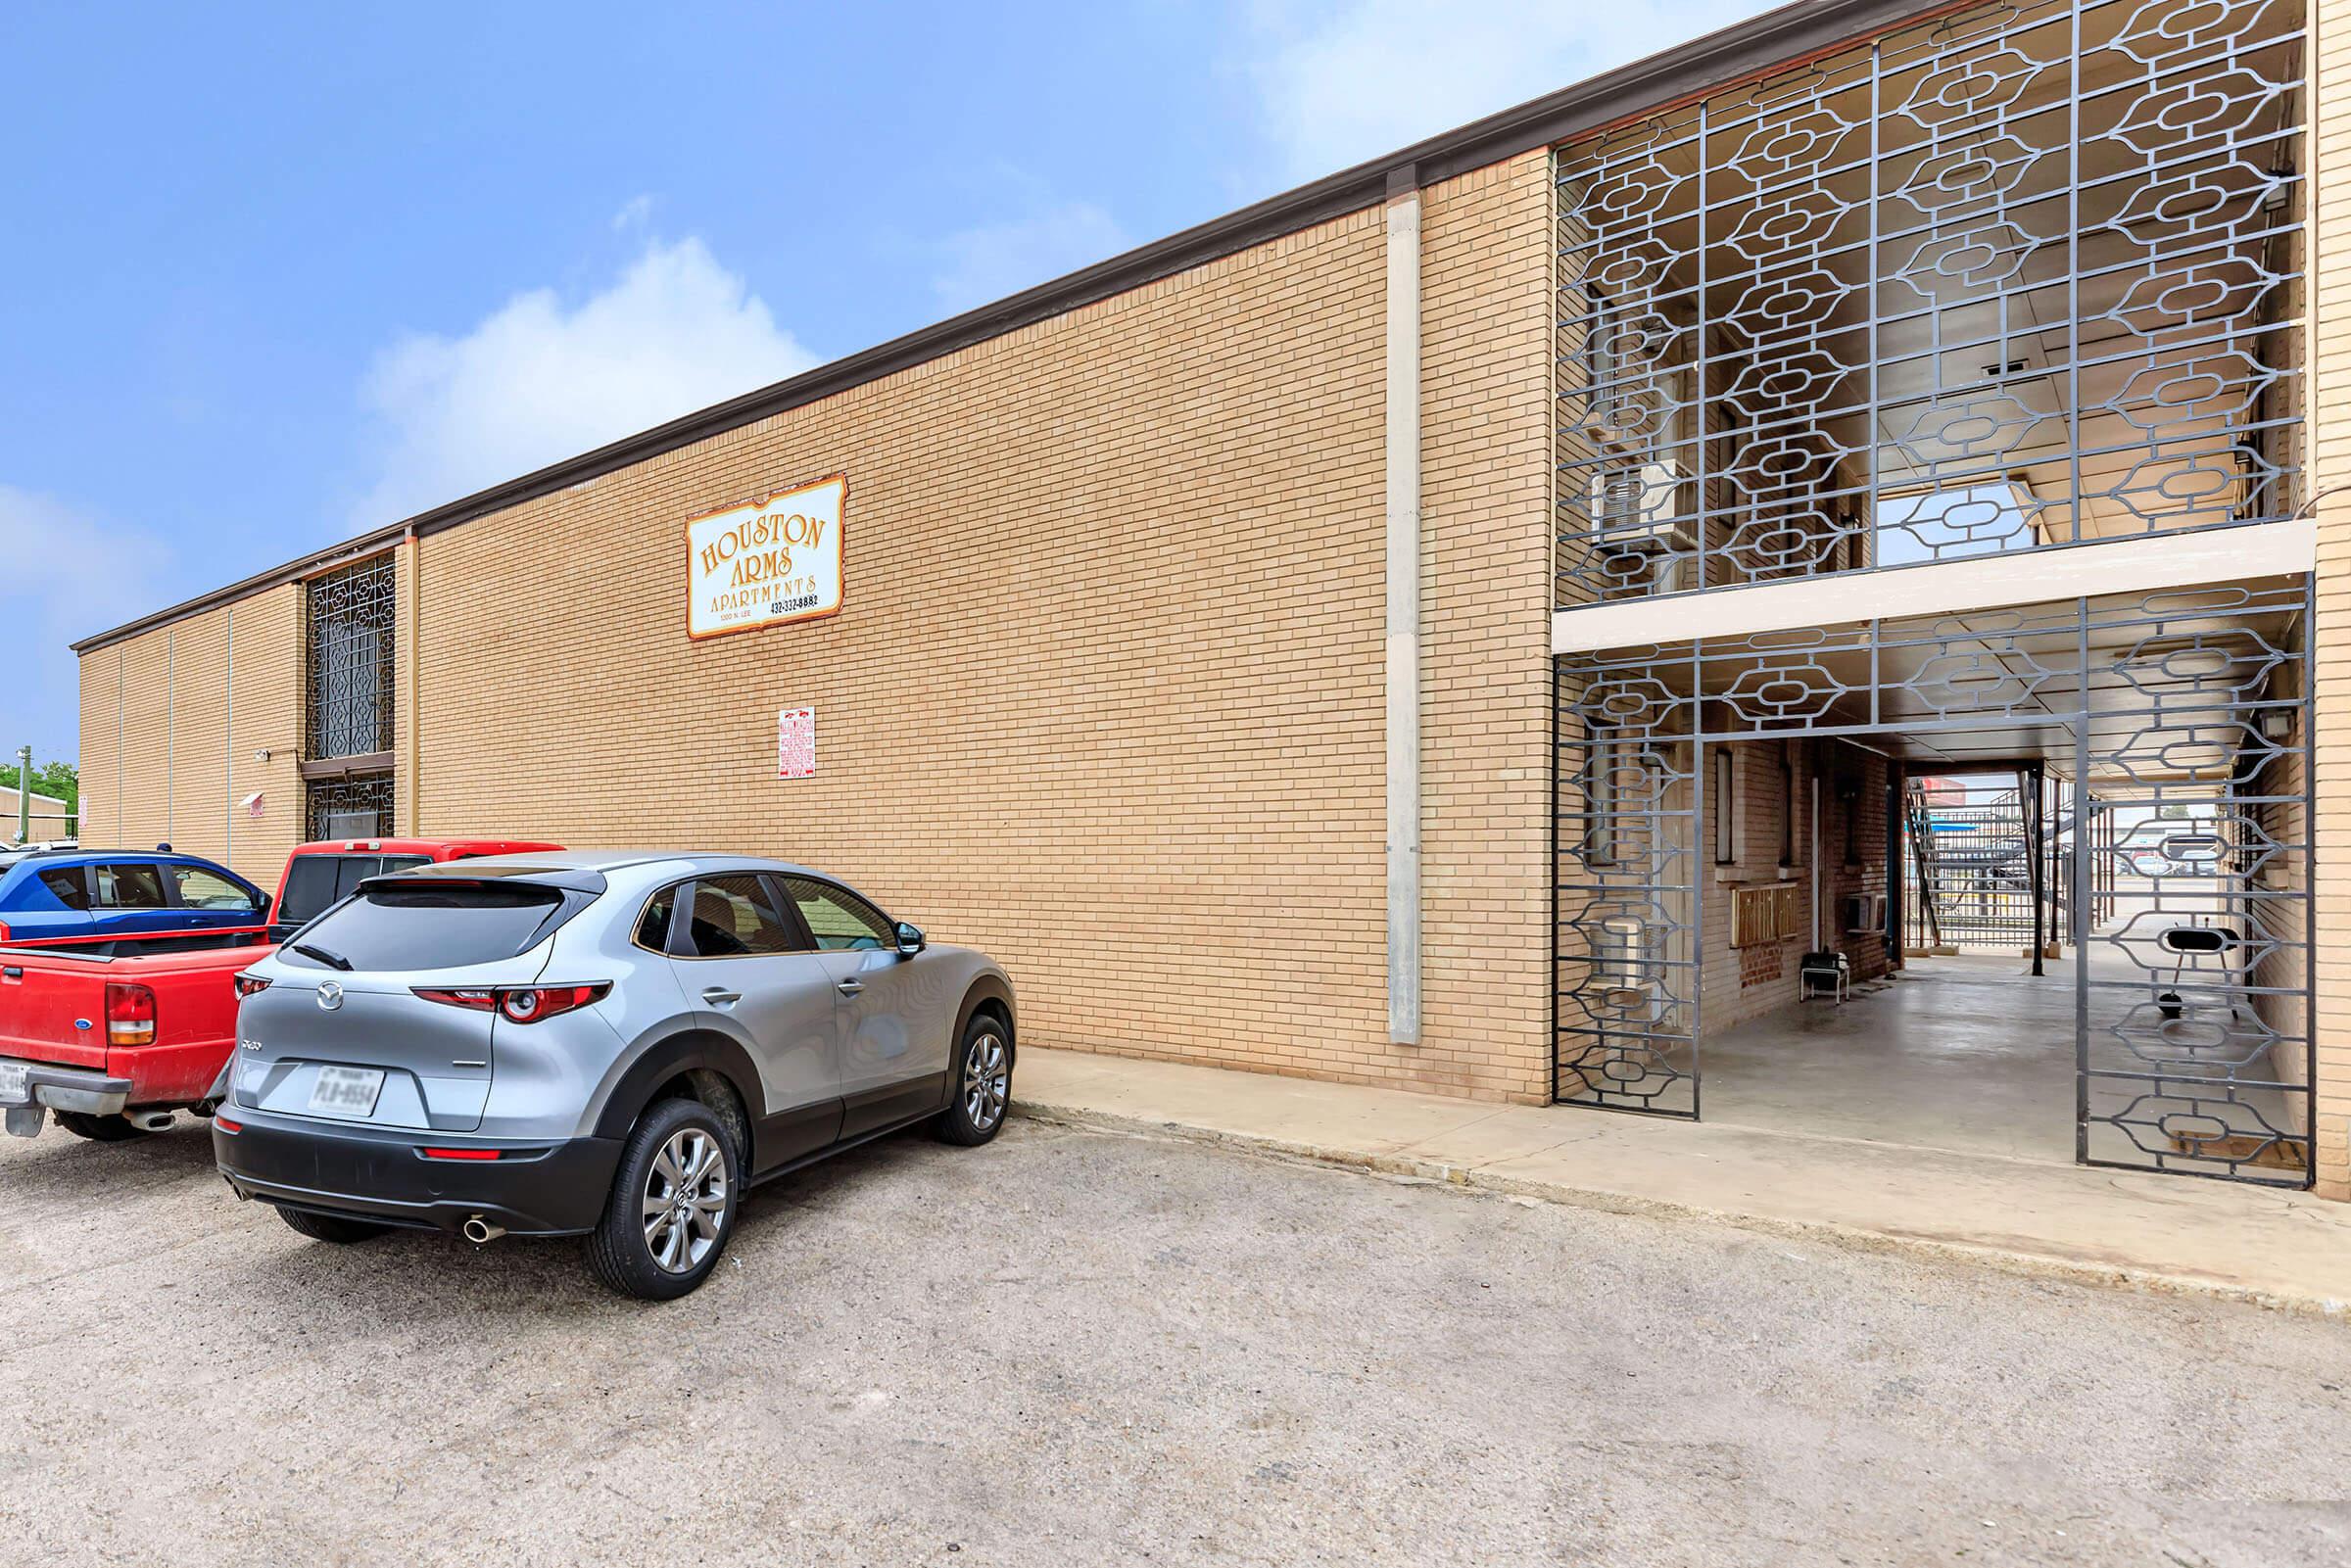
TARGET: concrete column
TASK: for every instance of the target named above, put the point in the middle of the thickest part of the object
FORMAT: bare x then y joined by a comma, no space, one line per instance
1404,606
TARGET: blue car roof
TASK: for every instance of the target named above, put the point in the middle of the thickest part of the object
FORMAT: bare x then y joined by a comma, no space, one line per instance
113,857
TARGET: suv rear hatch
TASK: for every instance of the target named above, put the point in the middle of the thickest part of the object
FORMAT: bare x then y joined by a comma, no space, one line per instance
342,1032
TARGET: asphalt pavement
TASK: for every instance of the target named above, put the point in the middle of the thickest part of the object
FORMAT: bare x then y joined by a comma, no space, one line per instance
1073,1347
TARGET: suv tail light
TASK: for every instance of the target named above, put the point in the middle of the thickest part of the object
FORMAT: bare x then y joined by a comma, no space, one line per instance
520,1004
250,985
129,1014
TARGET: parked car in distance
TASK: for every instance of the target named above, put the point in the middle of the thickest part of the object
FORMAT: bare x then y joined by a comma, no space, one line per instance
53,895
611,1044
112,1036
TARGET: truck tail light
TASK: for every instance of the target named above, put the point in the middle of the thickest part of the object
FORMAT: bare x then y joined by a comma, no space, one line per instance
520,1004
250,985
129,1014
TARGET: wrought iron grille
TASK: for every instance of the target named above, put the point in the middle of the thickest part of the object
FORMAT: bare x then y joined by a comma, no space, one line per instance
348,617
351,808
2180,717
2030,275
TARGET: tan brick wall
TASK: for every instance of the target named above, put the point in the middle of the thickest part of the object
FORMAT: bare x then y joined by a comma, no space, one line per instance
198,698
266,716
199,778
1105,698
2331,467
98,763
142,796
1486,741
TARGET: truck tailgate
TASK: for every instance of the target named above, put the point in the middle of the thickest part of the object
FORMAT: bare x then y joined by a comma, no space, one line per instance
53,1009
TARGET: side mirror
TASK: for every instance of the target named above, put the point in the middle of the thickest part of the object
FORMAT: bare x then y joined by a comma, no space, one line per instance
910,941
260,913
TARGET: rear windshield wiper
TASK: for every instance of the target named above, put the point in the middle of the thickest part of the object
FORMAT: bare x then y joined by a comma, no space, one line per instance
332,960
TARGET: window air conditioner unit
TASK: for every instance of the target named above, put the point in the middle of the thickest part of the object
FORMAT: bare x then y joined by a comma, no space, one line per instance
1638,507
1866,911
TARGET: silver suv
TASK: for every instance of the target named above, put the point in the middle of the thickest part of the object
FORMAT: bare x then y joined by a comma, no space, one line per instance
601,1044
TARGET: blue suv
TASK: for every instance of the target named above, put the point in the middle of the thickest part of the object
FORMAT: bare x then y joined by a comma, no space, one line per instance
49,895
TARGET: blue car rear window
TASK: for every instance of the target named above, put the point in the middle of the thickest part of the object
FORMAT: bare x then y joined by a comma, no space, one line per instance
73,889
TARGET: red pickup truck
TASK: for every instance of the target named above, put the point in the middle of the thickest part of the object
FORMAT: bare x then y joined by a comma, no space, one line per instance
113,1036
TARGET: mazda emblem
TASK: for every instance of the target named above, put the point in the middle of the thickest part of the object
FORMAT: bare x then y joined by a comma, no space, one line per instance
330,995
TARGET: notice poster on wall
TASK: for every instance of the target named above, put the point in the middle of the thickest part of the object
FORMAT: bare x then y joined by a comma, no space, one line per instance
767,562
796,743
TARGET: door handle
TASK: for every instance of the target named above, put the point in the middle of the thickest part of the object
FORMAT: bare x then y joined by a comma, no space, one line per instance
722,998
850,987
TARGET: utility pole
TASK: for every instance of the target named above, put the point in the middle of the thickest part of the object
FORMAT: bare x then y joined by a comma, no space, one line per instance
24,794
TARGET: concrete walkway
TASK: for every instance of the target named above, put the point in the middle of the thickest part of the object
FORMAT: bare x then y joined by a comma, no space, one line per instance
2276,1248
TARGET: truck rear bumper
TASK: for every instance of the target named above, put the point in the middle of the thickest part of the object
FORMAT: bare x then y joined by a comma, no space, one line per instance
383,1175
58,1089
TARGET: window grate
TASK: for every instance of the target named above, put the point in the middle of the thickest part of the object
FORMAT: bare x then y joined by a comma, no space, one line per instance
348,617
351,808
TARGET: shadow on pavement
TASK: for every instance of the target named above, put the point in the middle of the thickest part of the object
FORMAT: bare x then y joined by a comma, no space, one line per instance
420,1278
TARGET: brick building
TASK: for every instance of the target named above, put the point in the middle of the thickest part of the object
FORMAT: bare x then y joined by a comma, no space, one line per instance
1853,488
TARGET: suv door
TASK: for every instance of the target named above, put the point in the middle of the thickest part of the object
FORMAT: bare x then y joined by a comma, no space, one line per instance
209,901
131,898
893,1031
749,974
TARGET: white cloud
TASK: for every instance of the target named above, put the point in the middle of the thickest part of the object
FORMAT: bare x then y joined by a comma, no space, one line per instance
536,382
1339,81
989,260
63,574
635,212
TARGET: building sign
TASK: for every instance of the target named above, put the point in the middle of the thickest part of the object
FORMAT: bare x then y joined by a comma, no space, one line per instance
796,743
767,563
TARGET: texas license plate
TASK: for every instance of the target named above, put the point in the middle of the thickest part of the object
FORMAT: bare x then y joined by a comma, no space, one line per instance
346,1091
16,1083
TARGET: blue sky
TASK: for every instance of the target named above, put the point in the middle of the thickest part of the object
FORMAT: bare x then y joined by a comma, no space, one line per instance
280,273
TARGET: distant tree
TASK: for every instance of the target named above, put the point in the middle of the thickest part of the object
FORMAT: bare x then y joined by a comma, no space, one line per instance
60,781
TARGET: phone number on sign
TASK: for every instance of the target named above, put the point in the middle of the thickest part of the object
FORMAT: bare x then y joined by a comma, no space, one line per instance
785,607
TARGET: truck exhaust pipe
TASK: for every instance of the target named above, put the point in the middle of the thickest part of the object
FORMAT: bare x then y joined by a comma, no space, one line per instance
150,1120
481,1232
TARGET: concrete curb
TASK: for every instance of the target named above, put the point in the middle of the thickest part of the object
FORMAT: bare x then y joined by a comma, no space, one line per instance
2008,1260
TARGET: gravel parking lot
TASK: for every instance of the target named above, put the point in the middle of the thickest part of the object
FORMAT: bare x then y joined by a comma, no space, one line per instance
1070,1346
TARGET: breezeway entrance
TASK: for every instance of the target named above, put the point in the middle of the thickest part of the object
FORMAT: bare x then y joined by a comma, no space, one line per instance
1742,820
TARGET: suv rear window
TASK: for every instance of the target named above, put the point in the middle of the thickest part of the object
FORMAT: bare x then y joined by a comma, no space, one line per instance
436,924
314,883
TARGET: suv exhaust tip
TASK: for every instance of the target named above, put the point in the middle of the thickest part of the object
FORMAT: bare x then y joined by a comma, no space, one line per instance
481,1232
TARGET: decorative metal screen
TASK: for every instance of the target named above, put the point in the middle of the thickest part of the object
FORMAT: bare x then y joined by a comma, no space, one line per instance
2026,276
348,617
2181,717
351,808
